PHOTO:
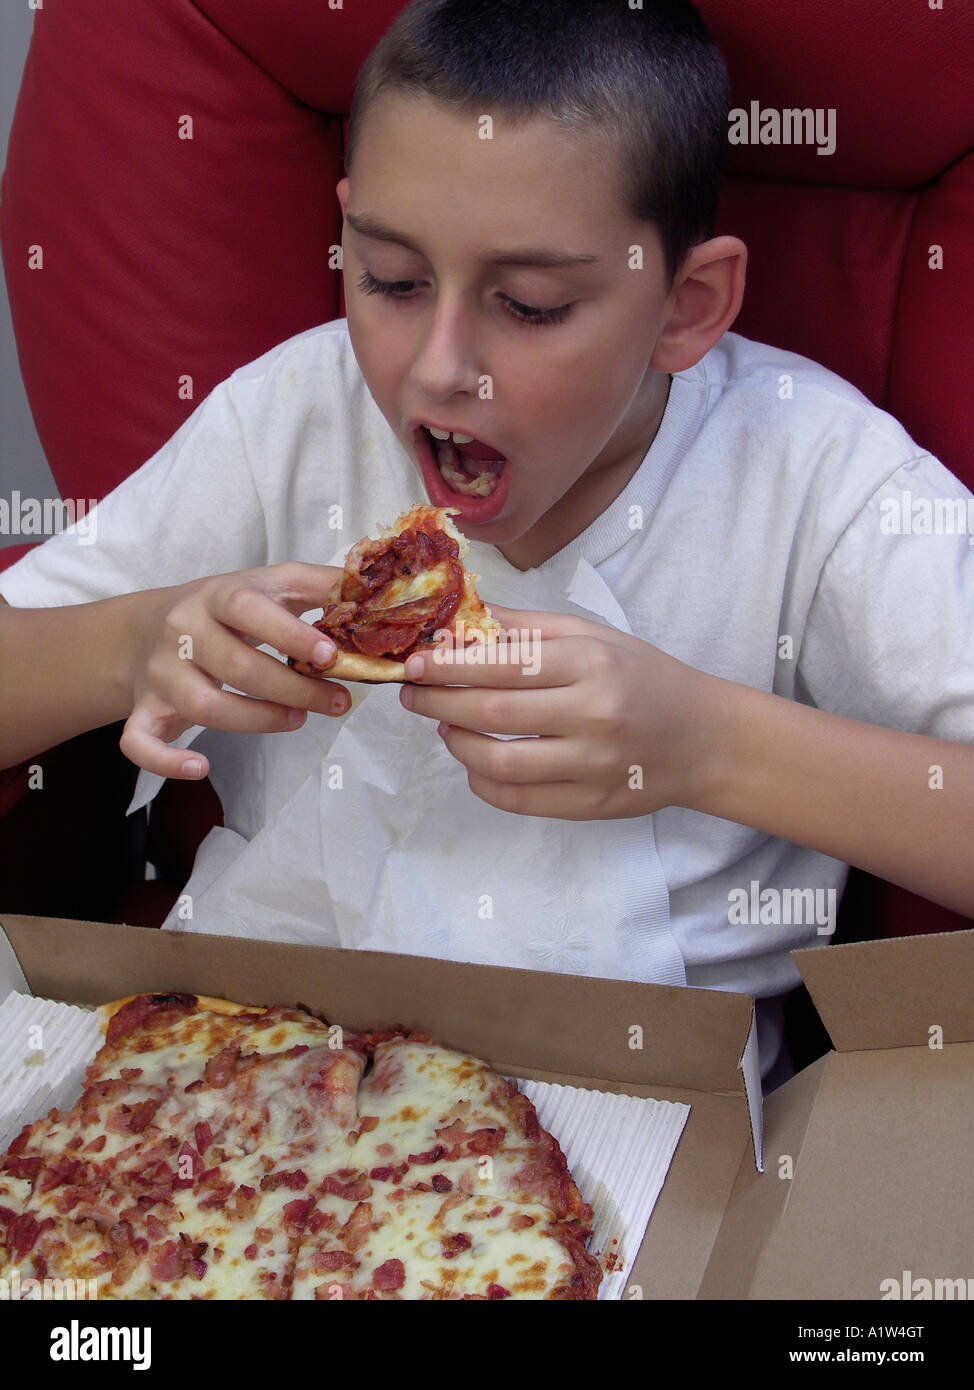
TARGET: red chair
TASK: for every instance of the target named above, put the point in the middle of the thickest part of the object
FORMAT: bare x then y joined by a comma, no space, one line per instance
177,163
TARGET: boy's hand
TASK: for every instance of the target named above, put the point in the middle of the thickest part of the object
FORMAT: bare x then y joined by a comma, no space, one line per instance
623,727
201,636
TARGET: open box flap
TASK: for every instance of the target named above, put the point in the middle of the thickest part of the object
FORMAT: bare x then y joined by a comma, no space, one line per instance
884,994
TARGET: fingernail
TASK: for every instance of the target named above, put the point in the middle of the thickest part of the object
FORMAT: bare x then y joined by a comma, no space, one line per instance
340,704
296,717
192,767
322,653
414,667
406,697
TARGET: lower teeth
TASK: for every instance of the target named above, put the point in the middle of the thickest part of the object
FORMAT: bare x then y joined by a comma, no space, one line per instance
448,463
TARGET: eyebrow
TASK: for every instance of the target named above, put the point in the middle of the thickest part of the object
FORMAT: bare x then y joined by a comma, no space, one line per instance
378,231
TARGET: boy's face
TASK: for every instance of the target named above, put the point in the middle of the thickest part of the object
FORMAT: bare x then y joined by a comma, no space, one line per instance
569,400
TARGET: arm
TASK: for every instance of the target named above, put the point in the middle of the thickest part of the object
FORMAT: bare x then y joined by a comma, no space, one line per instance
161,659
60,674
870,796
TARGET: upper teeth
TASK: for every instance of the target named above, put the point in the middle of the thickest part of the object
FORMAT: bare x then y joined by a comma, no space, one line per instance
445,434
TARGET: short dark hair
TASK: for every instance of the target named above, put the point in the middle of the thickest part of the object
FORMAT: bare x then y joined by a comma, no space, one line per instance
651,77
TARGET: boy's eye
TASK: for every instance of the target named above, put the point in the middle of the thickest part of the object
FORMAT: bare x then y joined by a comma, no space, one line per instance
524,313
396,289
528,313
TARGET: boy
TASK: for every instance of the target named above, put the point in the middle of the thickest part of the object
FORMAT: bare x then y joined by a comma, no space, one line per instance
530,265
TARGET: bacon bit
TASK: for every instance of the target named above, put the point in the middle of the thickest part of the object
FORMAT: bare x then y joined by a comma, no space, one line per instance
430,1156
327,1261
20,1142
441,1183
218,1196
131,1073
520,1222
486,1141
142,1115
322,1221
495,1211
70,1171
193,1086
219,1069
96,1145
263,1234
251,1252
452,1134
293,1181
497,1291
198,1269
154,1226
140,1245
453,1245
389,1174
204,1136
356,1229
166,1262
354,1187
296,1213
389,1276
23,1231
367,1123
22,1167
76,1142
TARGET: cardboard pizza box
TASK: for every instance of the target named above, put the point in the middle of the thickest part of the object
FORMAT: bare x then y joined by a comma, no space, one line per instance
865,1152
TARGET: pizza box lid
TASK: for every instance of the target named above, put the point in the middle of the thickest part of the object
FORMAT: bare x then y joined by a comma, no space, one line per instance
864,1149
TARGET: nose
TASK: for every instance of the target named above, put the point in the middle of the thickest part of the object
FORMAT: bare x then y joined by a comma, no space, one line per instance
446,359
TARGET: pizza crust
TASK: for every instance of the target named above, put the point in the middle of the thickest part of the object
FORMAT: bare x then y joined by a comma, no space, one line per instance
106,1012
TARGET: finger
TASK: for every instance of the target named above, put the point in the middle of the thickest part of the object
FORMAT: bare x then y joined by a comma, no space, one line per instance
515,762
201,699
552,624
224,657
145,742
514,664
555,800
492,711
302,586
249,611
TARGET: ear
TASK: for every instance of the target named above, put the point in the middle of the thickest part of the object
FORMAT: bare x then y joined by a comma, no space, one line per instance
703,303
341,188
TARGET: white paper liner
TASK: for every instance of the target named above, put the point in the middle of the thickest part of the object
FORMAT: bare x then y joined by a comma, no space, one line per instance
619,1148
44,1049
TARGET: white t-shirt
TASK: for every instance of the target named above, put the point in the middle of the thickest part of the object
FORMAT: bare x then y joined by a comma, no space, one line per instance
774,535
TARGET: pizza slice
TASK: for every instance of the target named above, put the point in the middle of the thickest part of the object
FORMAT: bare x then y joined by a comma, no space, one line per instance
402,594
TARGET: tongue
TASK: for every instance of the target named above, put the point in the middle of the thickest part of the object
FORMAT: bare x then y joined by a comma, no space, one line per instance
476,450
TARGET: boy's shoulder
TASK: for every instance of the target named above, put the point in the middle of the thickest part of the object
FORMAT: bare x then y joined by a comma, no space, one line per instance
324,343
782,388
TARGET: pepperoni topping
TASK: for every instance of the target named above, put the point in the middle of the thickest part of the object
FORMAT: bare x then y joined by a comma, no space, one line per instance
362,622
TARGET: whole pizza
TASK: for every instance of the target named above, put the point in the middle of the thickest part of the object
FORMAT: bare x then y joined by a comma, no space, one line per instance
227,1151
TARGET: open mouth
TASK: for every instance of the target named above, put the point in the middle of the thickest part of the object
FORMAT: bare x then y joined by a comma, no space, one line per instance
467,465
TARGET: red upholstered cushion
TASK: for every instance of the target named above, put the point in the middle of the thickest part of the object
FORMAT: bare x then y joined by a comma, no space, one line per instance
840,244
164,258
